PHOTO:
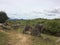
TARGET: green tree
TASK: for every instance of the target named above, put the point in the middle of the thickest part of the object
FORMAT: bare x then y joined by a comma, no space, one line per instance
3,17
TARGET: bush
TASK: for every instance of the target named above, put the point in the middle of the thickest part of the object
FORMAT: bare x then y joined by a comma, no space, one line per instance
53,27
3,17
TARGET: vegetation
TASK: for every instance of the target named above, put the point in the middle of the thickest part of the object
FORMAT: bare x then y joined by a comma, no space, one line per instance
52,26
3,38
3,17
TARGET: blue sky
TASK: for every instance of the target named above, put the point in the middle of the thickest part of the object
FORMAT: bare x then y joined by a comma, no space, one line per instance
30,9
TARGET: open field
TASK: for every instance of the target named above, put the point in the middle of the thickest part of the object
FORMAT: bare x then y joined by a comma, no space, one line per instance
16,37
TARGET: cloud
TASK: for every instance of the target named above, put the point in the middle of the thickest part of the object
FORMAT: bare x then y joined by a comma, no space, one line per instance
29,9
49,14
55,11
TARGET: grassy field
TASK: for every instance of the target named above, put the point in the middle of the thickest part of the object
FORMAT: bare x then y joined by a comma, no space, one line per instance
30,40
40,41
3,38
16,37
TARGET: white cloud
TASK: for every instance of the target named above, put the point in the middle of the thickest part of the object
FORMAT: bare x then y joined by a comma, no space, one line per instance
26,8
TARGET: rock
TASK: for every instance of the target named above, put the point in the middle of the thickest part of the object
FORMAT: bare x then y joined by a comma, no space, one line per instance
27,29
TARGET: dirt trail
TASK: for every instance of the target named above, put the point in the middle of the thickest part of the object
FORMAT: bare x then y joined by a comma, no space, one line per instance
18,38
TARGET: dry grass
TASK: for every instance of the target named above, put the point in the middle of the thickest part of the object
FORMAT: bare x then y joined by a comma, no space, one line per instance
16,38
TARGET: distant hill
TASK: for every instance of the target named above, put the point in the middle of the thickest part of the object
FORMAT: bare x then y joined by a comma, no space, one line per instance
16,19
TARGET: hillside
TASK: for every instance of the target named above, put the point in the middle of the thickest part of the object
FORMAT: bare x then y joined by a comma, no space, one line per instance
52,25
14,36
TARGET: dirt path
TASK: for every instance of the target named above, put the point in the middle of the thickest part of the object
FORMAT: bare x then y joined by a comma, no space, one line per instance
18,38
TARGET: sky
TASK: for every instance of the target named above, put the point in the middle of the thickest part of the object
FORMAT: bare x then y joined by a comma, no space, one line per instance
31,9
